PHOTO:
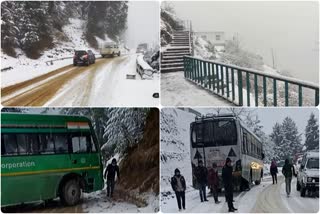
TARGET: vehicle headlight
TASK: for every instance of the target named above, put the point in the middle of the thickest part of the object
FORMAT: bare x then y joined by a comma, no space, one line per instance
309,179
313,180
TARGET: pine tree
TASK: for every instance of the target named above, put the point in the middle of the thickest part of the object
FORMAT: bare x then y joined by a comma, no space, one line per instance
312,133
277,138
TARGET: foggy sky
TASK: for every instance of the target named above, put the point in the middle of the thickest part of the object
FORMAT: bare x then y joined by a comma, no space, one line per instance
143,23
290,28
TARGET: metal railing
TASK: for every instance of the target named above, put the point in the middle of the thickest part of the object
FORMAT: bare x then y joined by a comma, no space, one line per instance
240,85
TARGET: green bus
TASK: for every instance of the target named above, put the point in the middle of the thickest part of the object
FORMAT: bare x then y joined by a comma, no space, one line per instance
48,156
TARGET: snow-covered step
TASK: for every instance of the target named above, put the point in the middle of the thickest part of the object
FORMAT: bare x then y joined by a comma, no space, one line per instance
172,57
177,51
176,54
172,69
171,61
178,48
180,64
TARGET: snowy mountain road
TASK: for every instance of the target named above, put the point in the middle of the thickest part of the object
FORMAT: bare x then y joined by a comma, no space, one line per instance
273,199
100,84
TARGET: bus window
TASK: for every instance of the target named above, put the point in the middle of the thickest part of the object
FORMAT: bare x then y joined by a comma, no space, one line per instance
225,133
61,143
22,142
33,144
46,144
8,144
93,146
244,143
80,144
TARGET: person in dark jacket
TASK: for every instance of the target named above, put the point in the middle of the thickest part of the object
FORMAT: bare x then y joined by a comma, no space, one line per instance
213,182
110,174
178,185
228,185
274,171
201,174
288,170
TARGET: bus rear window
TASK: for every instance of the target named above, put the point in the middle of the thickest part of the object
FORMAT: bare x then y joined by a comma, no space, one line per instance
214,133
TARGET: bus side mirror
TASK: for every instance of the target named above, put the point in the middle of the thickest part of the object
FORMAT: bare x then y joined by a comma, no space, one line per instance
262,155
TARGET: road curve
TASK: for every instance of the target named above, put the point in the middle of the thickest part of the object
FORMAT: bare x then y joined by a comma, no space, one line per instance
39,90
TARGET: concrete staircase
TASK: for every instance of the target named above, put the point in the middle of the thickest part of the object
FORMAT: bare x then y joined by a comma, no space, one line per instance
172,57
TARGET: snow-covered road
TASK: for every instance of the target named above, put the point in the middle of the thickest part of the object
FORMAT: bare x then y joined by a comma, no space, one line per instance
263,198
177,91
100,84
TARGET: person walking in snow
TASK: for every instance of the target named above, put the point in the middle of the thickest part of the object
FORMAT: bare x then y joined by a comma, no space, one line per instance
288,170
201,174
178,185
274,171
213,182
228,185
110,175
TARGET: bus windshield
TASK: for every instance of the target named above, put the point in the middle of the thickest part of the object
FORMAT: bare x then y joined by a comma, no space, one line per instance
214,133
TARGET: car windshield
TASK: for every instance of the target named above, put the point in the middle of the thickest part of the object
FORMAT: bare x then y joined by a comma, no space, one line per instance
80,53
313,163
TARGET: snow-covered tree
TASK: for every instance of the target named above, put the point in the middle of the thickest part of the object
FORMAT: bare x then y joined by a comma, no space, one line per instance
287,139
124,127
312,133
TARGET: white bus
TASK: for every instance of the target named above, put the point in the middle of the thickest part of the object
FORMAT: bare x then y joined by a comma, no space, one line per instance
214,138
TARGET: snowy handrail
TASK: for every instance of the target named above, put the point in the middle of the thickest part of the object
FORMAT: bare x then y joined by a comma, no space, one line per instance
217,75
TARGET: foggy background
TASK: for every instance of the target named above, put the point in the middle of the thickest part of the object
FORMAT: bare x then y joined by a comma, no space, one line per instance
143,23
270,116
290,28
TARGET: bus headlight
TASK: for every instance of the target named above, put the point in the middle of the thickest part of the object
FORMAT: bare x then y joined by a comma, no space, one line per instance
194,136
309,179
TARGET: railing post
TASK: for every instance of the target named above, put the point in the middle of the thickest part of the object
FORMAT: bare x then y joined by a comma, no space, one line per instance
213,76
205,74
201,71
184,67
218,80
248,89
232,80
256,89
227,78
222,78
264,90
198,72
300,95
316,97
209,74
286,94
275,92
240,87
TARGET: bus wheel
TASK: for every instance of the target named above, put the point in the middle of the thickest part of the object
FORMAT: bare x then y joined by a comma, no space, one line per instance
71,192
257,182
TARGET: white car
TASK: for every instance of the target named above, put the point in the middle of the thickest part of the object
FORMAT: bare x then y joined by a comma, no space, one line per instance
110,49
308,174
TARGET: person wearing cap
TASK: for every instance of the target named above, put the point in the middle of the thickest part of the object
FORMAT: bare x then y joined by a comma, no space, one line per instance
213,182
178,185
110,175
201,175
228,185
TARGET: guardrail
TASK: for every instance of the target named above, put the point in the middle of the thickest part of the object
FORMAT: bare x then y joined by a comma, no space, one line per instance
229,82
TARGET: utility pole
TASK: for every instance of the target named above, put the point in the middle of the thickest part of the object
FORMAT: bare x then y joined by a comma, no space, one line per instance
273,59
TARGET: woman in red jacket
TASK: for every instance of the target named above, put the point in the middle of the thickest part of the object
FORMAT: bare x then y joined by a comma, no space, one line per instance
213,182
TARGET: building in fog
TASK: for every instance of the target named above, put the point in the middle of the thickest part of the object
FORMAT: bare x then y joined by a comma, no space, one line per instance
216,38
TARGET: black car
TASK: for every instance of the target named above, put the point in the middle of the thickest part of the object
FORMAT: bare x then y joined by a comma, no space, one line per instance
83,58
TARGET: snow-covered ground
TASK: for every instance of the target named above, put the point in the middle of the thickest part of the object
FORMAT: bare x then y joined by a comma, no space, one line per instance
98,202
177,91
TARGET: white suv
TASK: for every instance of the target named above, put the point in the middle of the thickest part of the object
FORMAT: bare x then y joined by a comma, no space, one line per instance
110,49
308,174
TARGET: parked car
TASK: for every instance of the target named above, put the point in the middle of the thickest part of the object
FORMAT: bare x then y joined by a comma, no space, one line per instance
110,49
308,174
83,57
